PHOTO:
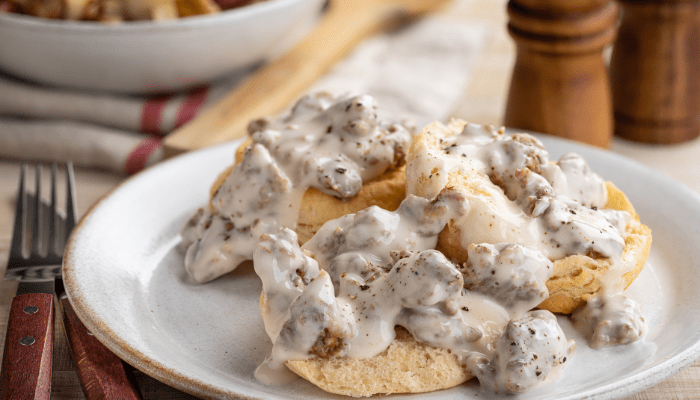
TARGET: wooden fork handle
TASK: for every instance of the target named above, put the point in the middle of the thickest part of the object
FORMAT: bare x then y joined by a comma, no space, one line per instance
26,361
101,372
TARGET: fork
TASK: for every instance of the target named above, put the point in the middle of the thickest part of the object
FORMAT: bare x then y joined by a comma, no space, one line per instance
27,357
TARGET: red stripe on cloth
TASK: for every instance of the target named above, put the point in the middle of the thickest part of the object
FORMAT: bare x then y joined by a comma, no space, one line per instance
7,6
136,160
153,114
191,105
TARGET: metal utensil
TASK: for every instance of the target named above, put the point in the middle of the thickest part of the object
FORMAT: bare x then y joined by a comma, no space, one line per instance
26,364
27,358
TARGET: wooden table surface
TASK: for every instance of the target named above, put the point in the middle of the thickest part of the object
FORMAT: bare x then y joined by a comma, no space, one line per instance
483,101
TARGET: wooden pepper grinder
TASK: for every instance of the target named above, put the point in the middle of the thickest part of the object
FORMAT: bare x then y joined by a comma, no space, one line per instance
560,82
655,71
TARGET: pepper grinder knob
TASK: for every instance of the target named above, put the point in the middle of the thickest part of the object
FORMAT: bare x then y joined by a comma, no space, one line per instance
560,83
655,71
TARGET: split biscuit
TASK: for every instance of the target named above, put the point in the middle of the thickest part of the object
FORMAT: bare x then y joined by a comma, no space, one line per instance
576,278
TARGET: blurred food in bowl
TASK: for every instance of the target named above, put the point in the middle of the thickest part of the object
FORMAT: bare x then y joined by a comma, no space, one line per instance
148,56
119,10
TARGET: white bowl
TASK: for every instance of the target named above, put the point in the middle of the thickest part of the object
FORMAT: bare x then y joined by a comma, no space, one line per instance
151,57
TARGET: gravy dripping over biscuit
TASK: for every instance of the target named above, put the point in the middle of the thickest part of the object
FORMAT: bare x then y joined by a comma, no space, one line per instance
517,195
343,293
328,143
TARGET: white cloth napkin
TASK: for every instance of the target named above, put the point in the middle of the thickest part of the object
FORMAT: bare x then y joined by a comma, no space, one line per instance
418,72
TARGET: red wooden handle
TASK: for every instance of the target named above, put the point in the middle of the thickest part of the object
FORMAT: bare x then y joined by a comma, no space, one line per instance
26,362
100,371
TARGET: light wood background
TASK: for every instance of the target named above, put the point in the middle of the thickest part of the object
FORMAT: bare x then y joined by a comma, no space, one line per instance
483,102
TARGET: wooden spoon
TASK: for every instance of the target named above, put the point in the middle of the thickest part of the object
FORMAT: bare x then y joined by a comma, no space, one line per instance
275,85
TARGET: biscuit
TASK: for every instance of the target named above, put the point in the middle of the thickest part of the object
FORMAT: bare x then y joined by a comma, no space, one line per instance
386,191
406,366
326,157
409,366
576,278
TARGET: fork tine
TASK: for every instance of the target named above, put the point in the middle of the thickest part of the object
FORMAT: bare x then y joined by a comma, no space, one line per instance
71,205
19,231
53,214
37,214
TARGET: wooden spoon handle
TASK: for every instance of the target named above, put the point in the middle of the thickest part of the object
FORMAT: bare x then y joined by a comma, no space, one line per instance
26,362
101,372
275,85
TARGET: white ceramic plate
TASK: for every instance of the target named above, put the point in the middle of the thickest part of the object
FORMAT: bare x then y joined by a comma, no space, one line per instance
125,277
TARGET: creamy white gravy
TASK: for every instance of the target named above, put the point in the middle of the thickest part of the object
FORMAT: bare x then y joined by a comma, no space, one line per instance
529,354
332,144
343,292
555,207
609,320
